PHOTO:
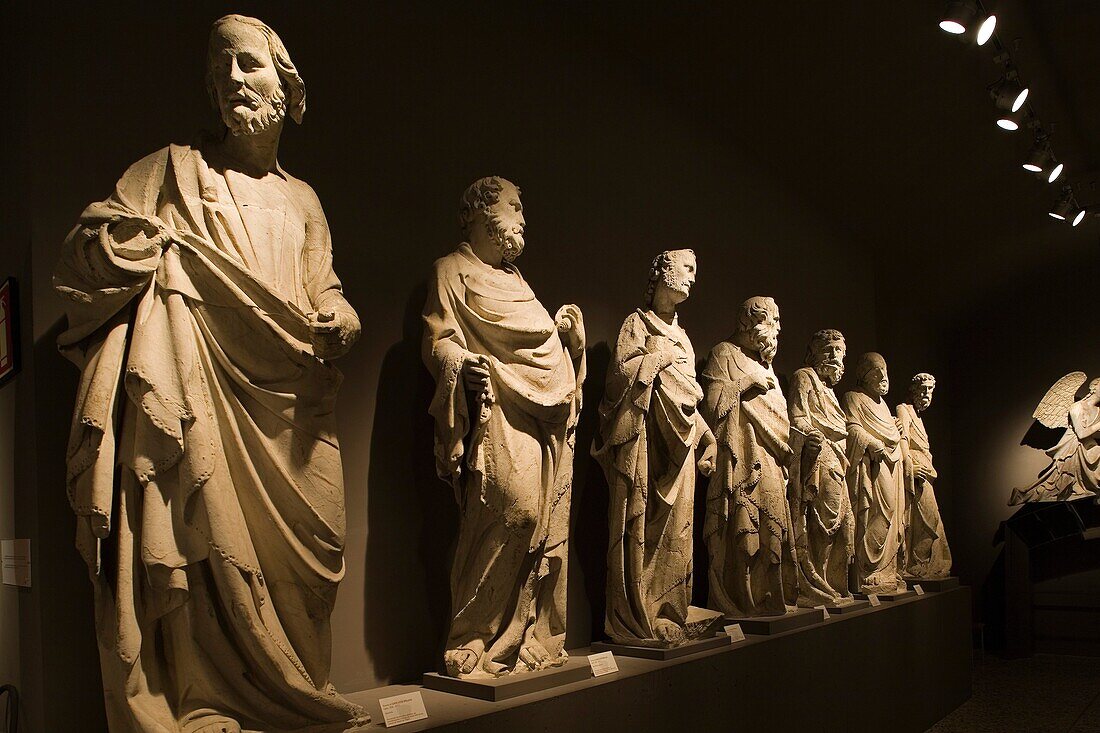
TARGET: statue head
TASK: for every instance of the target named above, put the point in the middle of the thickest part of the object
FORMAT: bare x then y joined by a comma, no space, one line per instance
250,77
758,327
871,374
1094,387
920,390
491,208
672,273
826,355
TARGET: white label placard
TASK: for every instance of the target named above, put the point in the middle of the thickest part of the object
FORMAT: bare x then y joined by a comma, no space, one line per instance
15,562
918,589
824,612
602,663
403,708
733,631
873,598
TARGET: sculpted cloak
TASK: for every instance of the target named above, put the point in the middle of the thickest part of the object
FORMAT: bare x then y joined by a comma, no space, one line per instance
926,552
747,526
820,505
650,428
875,488
203,464
510,461
1074,471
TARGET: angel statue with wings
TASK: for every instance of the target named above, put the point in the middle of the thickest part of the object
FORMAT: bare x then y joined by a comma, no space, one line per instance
1074,470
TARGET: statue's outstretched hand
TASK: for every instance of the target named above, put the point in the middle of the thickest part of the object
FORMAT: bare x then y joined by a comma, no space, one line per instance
570,324
332,333
708,447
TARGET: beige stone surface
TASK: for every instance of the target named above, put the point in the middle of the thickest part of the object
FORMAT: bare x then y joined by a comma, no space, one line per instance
652,441
508,395
927,555
821,511
1074,470
875,480
203,465
748,524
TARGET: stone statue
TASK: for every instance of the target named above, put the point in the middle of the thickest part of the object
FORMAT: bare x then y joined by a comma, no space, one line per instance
653,440
747,526
927,556
203,463
1074,470
875,481
820,508
508,395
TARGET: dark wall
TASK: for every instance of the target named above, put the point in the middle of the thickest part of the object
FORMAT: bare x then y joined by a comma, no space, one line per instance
407,105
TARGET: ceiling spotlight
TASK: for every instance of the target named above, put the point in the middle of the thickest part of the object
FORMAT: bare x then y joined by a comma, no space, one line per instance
1008,94
1040,156
1079,218
1063,206
958,15
1012,120
1057,171
985,31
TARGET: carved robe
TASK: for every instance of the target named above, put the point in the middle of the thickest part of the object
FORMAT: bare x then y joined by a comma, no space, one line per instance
203,463
820,506
510,461
876,488
1074,470
747,526
650,428
926,552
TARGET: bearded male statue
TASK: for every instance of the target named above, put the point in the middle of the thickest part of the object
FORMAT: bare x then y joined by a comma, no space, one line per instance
927,556
875,479
748,524
820,507
508,396
203,463
653,441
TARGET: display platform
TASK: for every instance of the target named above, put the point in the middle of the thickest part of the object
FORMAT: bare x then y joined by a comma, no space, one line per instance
855,605
895,596
647,652
937,585
854,654
495,689
768,625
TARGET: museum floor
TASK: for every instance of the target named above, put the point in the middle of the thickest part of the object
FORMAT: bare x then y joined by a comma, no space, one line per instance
1040,694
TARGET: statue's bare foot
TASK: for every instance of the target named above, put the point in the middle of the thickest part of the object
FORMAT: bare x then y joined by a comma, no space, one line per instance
212,724
669,633
460,661
533,654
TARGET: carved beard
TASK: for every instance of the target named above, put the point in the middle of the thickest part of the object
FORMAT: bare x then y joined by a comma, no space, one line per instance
922,403
765,339
677,286
509,244
830,372
266,112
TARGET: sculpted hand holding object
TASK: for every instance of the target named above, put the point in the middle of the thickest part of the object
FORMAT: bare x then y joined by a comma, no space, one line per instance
203,461
508,395
748,523
653,442
927,555
820,508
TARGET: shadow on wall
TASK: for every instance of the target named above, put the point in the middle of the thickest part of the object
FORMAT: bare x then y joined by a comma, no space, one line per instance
588,531
412,519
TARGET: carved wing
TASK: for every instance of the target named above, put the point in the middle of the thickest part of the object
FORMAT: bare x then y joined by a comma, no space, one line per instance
1053,409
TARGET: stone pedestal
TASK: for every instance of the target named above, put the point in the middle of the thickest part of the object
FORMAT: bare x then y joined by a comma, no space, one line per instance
767,625
495,689
935,585
648,652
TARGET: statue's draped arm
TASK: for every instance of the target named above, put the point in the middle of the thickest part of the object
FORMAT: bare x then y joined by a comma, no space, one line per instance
445,352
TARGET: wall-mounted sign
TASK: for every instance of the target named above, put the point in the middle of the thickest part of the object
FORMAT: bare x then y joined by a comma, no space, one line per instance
9,331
